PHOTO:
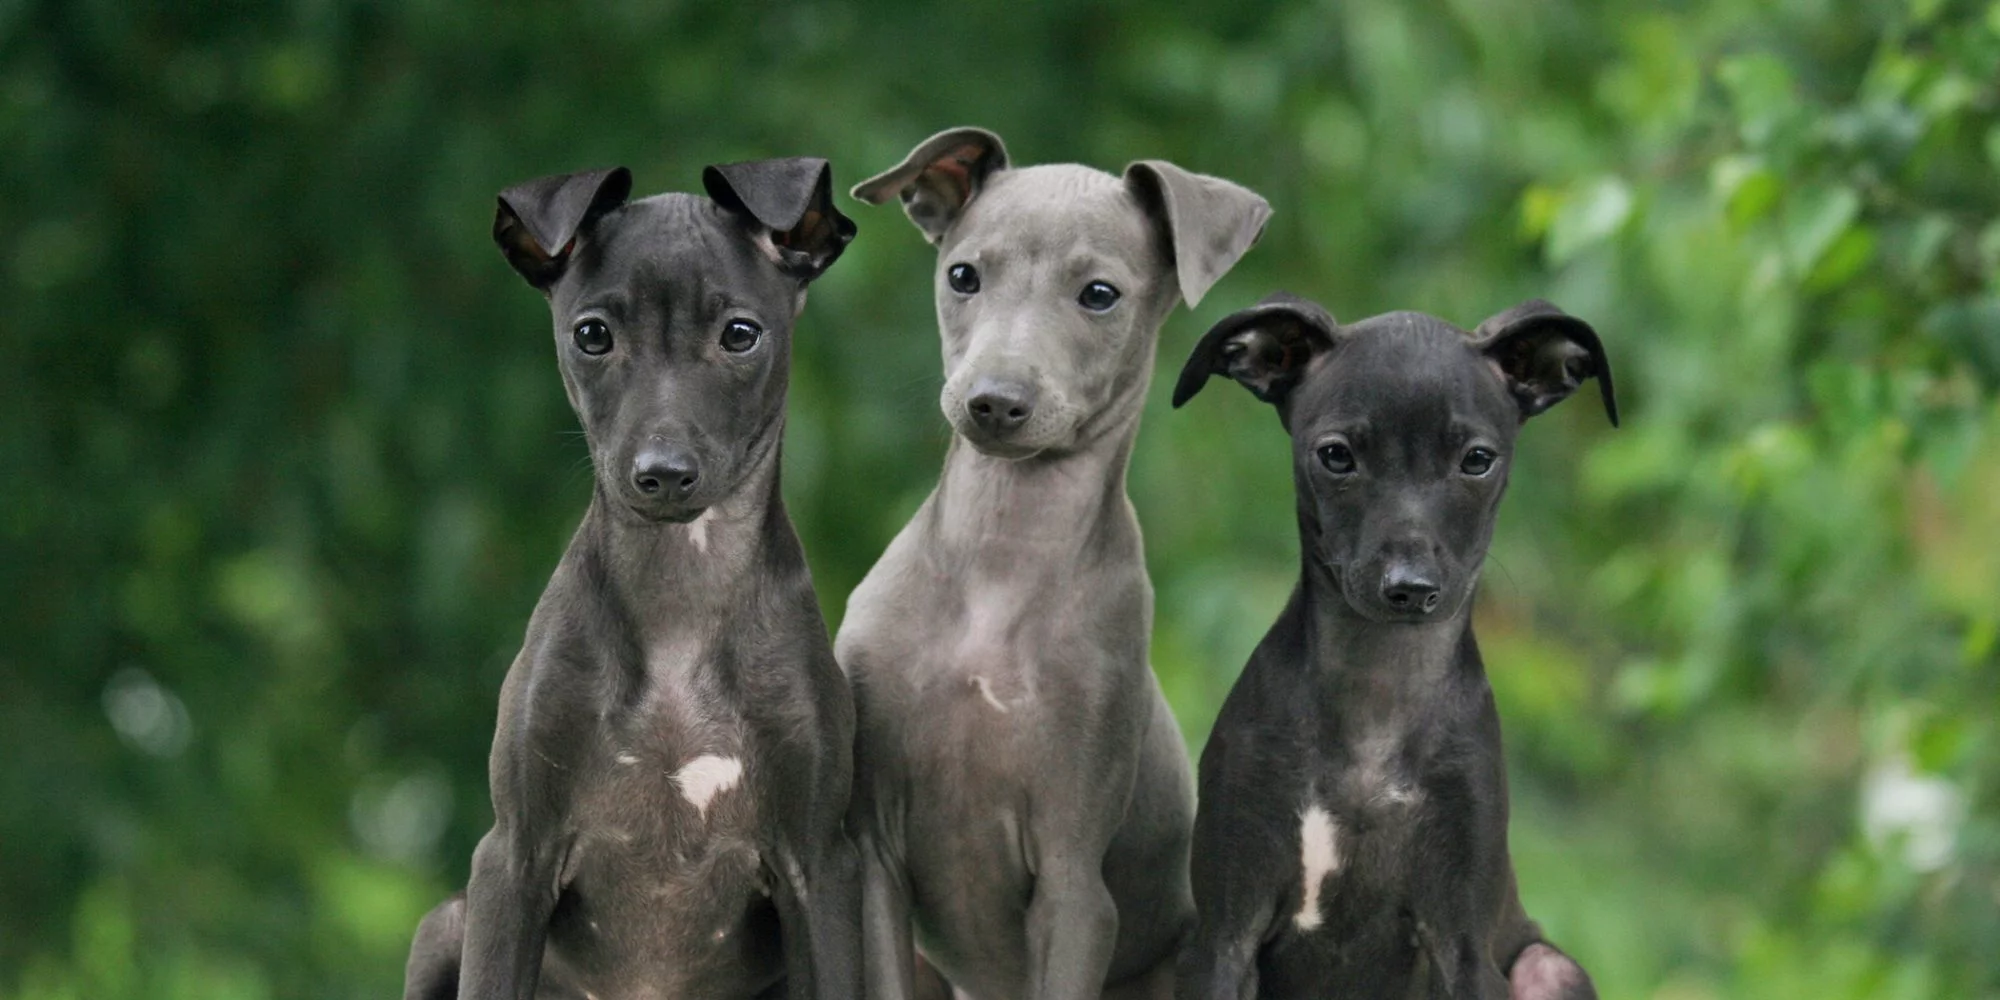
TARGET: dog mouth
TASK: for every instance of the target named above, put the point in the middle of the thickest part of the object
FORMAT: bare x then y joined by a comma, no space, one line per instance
665,515
1000,447
1043,436
1366,601
1009,417
1394,615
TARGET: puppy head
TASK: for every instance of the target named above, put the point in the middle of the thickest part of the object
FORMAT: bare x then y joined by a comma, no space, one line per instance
1403,430
1052,281
673,316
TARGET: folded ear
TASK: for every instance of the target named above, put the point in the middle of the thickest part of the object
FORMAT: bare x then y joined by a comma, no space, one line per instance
1210,222
788,204
1544,354
536,223
1266,347
939,178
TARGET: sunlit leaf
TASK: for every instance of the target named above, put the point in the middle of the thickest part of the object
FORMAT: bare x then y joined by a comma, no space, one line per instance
1813,217
1588,216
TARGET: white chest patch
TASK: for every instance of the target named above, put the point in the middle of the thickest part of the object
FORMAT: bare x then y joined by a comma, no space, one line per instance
1319,856
698,530
705,777
986,691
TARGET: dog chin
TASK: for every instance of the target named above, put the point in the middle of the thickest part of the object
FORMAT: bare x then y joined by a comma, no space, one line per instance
1388,616
1003,449
1010,449
654,515
1382,613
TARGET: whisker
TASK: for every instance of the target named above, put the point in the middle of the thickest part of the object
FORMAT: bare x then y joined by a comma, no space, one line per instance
1513,585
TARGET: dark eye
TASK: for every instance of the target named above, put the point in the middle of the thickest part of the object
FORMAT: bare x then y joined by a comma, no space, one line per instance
963,278
1337,458
1477,462
592,337
741,335
1097,296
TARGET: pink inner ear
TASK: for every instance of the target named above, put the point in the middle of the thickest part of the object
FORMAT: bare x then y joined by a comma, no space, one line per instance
807,229
520,241
1292,347
957,166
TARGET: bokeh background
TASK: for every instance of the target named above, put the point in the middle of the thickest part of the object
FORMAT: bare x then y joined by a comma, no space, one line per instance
285,460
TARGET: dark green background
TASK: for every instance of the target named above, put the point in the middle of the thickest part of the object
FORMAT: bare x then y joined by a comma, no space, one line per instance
286,460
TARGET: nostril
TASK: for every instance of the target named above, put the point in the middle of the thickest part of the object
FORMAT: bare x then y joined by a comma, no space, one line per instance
1406,589
668,472
1000,406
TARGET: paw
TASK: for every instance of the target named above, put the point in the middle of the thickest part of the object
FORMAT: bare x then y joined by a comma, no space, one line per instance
1543,973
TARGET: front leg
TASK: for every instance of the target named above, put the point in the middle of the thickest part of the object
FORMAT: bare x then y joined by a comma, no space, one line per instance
1456,898
1460,967
508,900
817,888
887,946
1237,904
1246,850
1072,927
436,952
1234,860
1084,796
1218,964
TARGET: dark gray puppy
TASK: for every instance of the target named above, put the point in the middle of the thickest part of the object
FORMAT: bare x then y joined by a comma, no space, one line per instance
674,753
1022,792
1352,835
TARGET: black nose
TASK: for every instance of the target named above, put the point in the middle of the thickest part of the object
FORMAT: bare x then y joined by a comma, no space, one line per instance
663,471
1410,588
1001,406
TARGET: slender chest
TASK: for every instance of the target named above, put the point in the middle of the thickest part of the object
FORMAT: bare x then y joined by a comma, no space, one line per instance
1360,814
672,772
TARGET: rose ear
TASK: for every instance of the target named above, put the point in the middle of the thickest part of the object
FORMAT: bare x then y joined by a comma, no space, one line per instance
1544,354
1211,223
939,178
788,204
536,223
1266,347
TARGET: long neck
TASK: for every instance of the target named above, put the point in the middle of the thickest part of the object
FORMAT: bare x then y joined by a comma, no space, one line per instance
998,516
677,581
1002,516
1381,668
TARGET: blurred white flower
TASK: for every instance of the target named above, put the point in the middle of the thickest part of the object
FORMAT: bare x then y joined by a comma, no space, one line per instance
147,716
402,820
1920,813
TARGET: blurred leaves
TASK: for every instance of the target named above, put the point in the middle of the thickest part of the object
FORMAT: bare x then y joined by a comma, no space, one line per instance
287,462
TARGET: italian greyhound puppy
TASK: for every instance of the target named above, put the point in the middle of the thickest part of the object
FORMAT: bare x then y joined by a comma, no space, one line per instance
1022,791
673,760
1352,836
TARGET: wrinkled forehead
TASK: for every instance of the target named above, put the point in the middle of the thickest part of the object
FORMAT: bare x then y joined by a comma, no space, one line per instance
677,244
1404,373
1054,209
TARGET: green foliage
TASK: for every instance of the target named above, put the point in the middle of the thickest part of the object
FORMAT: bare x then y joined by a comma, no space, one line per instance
287,462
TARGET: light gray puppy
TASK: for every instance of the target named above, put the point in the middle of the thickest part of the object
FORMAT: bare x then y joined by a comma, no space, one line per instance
1022,792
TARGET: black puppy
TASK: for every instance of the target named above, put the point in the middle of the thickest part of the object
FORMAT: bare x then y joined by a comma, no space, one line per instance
1351,839
674,752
